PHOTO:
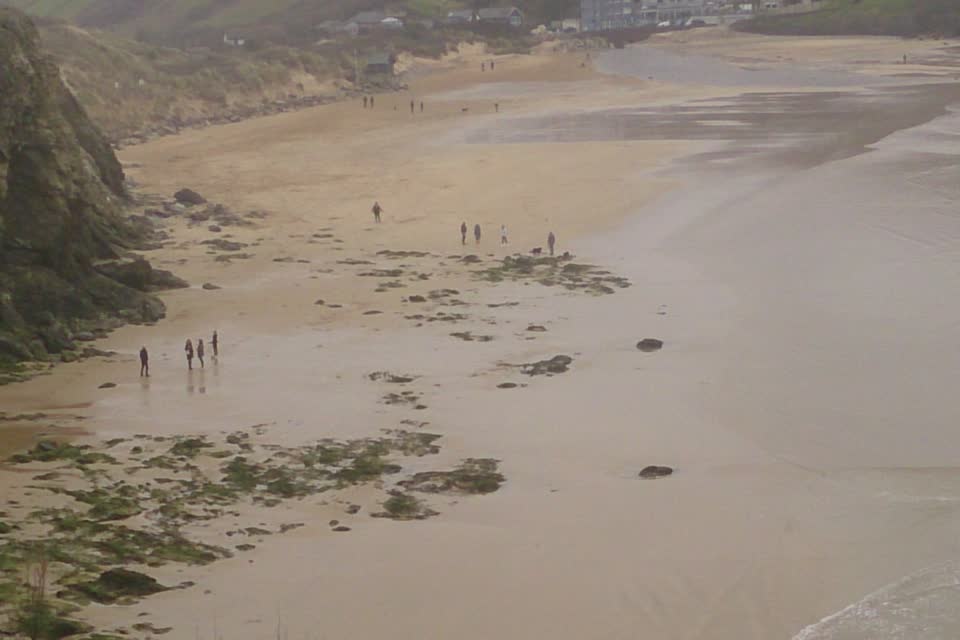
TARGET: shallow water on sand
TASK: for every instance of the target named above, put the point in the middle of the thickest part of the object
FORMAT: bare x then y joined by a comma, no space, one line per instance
670,66
813,126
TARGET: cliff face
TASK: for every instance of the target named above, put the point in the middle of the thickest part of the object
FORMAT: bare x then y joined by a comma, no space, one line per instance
61,221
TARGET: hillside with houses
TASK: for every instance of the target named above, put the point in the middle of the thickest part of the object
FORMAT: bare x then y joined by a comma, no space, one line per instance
205,22
155,68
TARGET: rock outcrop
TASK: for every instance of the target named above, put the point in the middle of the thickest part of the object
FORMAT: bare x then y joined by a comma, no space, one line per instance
61,210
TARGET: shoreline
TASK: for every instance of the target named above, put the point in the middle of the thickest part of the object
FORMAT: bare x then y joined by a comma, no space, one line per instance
573,529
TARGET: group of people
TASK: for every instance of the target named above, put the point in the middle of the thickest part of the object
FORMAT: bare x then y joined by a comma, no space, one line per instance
504,240
477,233
483,65
377,210
188,349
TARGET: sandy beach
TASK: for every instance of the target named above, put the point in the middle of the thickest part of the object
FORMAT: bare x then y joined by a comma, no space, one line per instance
784,211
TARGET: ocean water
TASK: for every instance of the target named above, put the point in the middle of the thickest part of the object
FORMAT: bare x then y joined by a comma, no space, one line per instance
922,606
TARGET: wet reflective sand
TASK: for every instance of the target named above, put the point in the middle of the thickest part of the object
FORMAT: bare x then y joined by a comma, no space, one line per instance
797,265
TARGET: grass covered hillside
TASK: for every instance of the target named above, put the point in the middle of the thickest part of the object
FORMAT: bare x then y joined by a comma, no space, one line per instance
128,86
866,17
181,22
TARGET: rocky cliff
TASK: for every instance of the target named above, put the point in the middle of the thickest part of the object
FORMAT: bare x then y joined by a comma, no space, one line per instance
62,225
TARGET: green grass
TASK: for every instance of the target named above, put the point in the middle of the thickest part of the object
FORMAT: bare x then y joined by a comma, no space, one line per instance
866,17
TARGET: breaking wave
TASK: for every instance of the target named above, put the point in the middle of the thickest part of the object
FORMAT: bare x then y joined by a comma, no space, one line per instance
922,606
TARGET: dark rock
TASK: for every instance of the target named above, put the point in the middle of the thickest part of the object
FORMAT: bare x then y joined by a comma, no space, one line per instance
648,345
210,287
225,245
353,509
214,228
556,364
107,385
334,523
189,197
115,584
162,279
134,273
341,529
472,476
198,216
536,328
46,446
159,213
416,299
507,385
319,302
85,336
654,471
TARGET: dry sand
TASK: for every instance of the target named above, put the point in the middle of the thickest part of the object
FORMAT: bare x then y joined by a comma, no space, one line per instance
801,286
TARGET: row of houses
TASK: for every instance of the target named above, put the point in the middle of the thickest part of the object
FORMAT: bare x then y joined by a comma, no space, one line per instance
604,15
372,21
508,16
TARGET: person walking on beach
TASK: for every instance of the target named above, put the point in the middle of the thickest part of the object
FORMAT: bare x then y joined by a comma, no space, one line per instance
371,102
144,363
377,210
483,66
215,343
476,233
463,232
503,234
411,106
188,349
551,241
496,107
421,106
200,351
492,63
364,102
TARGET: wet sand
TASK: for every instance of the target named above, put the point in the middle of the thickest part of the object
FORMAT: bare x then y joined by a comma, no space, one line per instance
797,267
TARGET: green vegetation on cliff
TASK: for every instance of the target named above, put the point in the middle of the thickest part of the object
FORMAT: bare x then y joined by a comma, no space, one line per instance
866,17
180,21
62,226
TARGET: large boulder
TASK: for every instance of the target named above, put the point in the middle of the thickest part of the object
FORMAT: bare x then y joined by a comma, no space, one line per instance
649,345
653,472
137,273
189,197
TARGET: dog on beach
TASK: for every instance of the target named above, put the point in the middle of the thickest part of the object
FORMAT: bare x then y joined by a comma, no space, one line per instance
536,251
